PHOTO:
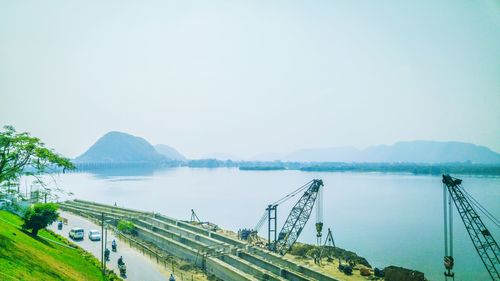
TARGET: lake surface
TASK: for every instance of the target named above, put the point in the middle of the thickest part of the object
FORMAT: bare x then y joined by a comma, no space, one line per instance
391,219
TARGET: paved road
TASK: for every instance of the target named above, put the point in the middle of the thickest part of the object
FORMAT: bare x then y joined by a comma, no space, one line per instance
139,266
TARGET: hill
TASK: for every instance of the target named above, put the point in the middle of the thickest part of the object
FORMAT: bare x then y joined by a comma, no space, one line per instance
23,257
408,151
169,152
118,147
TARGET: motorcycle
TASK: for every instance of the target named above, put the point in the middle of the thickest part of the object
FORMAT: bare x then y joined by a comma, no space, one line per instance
59,225
113,246
122,267
106,254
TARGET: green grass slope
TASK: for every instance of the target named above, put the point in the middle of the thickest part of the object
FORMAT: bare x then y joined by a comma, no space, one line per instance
23,257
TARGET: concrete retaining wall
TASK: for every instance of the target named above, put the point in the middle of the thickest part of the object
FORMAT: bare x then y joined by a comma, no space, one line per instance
277,259
250,268
113,207
183,232
226,272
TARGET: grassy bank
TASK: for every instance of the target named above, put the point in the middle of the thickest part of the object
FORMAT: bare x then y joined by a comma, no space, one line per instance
24,257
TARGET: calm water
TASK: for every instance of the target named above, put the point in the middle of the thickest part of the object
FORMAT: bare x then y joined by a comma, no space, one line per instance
387,218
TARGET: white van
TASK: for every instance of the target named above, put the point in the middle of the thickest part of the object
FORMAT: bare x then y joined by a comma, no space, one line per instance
76,233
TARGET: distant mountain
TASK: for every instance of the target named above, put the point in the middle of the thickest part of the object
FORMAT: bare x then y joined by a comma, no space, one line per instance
169,152
408,151
118,147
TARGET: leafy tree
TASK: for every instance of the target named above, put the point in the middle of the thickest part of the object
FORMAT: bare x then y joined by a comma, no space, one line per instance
127,227
39,216
22,154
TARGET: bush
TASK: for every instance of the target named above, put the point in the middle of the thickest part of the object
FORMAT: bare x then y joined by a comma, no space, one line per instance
39,216
127,227
299,249
186,267
313,252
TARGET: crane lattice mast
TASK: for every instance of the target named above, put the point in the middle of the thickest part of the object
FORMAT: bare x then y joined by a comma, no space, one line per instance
483,241
297,218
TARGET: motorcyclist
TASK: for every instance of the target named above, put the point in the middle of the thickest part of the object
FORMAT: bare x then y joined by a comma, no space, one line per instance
113,245
122,267
106,254
172,278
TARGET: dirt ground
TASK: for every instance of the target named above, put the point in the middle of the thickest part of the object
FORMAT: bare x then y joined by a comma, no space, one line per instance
331,269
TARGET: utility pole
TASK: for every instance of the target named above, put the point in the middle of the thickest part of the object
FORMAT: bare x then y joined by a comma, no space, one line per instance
105,245
102,245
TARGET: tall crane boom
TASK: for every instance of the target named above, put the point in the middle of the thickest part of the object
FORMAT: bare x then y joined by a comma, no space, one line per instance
483,241
297,218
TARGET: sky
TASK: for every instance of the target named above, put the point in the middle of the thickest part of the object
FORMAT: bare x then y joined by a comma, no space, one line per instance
246,77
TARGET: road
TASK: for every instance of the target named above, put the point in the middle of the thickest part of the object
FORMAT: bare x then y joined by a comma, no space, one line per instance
139,267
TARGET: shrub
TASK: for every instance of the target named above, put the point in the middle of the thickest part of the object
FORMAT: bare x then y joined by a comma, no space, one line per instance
299,249
186,267
127,227
39,216
313,252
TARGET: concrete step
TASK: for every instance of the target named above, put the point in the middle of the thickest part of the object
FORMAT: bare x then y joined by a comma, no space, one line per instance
207,240
284,272
250,268
288,264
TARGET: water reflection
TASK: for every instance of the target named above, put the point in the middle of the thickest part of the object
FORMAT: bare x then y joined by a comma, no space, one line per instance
124,173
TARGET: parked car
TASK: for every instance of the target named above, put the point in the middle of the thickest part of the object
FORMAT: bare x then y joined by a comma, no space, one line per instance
94,235
76,233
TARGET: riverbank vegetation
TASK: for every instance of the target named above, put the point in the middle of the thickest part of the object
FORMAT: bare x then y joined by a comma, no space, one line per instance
332,257
302,250
463,168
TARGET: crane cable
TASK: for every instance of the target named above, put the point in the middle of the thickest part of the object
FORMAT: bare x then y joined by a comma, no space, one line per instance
481,208
279,201
261,221
292,194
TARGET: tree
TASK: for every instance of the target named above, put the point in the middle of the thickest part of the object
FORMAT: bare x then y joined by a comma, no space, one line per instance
22,154
127,227
39,216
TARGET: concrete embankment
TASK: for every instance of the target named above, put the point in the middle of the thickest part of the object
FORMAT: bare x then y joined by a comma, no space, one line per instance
217,254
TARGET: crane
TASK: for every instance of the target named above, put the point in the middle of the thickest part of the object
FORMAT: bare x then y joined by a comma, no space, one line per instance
329,244
204,224
283,241
481,237
194,217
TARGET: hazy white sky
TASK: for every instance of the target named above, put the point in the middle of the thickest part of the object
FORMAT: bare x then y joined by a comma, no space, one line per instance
249,77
